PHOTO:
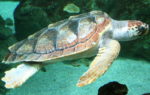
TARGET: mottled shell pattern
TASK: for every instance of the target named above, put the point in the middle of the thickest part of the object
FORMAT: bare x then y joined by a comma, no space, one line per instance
67,37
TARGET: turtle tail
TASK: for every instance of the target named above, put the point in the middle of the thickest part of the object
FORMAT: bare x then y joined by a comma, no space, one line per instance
15,77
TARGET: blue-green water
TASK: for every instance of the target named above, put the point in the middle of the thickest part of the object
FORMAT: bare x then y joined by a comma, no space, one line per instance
61,79
7,8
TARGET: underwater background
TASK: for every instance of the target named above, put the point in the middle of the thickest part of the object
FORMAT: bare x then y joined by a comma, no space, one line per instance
18,19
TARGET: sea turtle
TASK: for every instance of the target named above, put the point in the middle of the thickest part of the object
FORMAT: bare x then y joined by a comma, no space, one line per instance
80,36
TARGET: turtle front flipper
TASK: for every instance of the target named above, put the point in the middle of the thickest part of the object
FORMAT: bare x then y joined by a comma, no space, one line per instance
17,76
101,63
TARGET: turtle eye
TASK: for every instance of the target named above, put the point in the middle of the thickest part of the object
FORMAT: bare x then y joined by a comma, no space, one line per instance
142,29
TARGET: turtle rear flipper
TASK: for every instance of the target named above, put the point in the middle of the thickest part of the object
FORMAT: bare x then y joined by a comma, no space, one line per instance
17,76
101,63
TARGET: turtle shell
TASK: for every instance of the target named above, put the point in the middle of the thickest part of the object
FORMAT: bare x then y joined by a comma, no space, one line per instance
67,37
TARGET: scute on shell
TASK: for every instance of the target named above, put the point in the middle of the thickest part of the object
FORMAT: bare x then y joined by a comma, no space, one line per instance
63,38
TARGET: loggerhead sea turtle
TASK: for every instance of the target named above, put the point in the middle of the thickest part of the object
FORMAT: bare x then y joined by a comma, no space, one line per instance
80,36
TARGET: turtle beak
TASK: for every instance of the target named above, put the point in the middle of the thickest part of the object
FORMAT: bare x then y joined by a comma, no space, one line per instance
143,29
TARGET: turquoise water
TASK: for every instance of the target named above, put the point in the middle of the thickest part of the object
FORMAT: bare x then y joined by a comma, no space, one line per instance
61,79
7,8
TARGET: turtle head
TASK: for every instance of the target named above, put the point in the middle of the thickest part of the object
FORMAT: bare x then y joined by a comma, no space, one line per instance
129,30
137,28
